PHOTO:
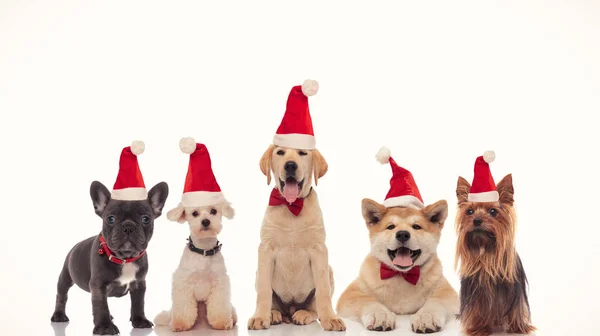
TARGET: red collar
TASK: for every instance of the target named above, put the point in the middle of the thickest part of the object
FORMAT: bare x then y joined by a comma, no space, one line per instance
105,250
295,208
412,276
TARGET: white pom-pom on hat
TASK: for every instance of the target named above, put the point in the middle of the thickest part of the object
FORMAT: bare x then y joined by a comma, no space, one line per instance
489,156
310,87
187,145
383,155
137,147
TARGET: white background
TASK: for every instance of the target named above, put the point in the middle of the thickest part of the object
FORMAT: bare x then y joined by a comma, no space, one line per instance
437,82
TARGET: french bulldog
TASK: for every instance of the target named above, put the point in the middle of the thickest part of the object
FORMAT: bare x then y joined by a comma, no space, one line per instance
113,263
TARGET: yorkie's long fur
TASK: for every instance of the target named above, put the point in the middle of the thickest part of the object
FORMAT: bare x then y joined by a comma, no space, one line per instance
493,291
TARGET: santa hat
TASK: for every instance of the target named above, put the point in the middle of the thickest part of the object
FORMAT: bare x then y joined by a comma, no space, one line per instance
296,130
130,183
483,188
201,187
403,189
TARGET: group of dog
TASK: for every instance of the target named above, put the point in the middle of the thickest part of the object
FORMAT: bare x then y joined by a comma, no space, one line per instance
402,273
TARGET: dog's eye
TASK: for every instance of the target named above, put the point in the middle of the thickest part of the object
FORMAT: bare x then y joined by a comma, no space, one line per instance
195,213
493,212
391,227
280,152
110,219
213,211
470,212
416,227
145,219
302,153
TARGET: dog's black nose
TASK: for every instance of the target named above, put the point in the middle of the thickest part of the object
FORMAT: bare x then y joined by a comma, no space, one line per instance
205,222
477,221
403,236
290,166
128,229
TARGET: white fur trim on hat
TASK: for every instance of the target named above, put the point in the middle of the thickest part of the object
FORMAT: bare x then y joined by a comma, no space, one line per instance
129,194
482,197
295,140
137,147
310,87
187,145
489,156
404,201
383,155
201,198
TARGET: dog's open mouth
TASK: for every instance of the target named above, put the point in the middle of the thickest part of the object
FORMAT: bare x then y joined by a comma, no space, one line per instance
291,188
403,257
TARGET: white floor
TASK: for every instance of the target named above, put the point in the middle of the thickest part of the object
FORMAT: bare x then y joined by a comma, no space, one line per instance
76,328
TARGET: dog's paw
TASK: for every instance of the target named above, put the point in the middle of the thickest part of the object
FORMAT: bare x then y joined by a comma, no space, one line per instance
106,329
221,323
275,317
178,325
379,321
427,321
141,323
333,324
303,317
258,323
59,317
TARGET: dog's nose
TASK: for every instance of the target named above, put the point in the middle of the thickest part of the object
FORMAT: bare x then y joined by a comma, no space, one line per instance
403,236
128,229
290,166
477,221
205,222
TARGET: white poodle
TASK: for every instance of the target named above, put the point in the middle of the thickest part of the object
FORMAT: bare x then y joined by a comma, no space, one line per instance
201,277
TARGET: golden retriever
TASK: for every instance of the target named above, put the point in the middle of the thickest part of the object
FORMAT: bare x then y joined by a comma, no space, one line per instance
294,282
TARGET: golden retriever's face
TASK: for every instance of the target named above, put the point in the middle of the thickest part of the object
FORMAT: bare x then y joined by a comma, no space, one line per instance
404,237
293,169
204,221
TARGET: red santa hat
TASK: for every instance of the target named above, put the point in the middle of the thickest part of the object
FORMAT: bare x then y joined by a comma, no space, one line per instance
201,187
130,183
483,188
296,130
403,189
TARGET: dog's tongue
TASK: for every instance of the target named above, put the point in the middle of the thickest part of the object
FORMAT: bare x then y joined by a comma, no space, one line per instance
402,258
291,190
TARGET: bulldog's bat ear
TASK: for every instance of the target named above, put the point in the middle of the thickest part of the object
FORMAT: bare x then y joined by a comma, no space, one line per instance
100,197
157,196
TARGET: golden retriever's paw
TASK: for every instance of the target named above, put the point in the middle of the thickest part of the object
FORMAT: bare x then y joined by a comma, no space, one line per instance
303,317
178,325
427,321
234,316
275,317
333,324
380,321
258,323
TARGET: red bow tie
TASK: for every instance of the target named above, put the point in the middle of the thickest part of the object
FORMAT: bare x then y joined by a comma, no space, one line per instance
105,250
411,276
276,199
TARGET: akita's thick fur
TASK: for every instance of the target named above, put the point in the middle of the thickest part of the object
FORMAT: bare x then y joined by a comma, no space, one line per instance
409,233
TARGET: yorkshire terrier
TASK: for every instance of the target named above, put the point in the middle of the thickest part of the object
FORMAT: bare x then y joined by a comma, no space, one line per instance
494,286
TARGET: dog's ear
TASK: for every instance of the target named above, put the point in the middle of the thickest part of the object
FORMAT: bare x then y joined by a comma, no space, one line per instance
157,196
462,190
437,212
506,190
319,165
265,163
228,211
100,197
372,211
177,214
